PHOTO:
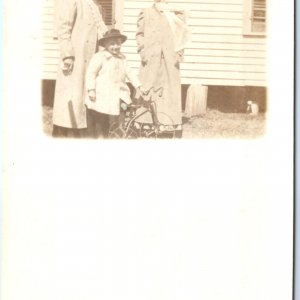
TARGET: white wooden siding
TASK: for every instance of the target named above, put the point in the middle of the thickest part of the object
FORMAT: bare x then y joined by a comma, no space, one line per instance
49,44
218,54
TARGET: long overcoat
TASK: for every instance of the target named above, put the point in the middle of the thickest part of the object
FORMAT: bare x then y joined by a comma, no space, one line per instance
79,26
161,64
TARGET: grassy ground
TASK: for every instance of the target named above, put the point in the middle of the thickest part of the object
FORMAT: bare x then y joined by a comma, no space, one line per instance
47,119
213,124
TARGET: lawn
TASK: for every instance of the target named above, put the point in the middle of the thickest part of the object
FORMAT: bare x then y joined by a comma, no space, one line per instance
214,124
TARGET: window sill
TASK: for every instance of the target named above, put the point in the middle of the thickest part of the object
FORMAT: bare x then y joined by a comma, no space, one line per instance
255,34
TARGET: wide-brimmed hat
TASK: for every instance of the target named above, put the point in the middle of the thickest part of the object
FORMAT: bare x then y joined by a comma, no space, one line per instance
112,33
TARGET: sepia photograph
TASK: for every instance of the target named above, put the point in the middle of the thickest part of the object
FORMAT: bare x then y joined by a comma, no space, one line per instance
154,69
148,150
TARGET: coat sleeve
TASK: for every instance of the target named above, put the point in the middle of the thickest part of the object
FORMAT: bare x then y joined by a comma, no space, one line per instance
66,18
92,71
102,11
140,31
182,15
132,77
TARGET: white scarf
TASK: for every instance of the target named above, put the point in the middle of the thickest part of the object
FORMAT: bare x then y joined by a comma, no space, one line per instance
101,27
181,32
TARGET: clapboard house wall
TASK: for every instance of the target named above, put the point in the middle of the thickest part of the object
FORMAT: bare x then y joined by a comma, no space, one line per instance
219,53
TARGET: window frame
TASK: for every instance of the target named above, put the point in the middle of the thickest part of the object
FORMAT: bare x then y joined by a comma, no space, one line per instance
117,14
113,17
247,18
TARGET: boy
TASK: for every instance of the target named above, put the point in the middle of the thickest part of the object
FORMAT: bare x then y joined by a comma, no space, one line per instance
108,92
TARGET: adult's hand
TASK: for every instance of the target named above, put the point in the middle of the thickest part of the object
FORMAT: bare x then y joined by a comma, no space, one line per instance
67,66
143,57
92,95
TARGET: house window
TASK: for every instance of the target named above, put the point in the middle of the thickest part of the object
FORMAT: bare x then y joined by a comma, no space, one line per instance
108,11
255,14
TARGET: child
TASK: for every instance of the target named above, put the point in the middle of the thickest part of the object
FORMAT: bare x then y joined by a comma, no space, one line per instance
108,92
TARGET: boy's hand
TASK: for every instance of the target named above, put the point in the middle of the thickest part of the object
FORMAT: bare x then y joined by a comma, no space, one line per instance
124,106
92,95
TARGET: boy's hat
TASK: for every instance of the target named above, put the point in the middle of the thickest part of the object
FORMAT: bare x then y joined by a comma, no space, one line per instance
112,33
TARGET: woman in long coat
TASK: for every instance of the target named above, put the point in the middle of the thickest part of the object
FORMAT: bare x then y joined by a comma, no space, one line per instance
79,27
161,37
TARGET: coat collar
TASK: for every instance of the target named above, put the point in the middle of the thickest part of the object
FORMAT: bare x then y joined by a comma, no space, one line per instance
155,8
108,55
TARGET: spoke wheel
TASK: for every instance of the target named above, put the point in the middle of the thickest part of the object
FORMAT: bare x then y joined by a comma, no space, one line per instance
116,131
166,128
132,133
